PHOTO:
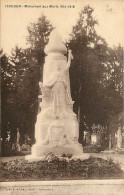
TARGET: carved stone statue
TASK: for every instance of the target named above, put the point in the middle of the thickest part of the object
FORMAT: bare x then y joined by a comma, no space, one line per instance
56,129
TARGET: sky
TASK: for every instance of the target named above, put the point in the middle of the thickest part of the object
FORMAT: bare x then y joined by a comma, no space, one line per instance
14,21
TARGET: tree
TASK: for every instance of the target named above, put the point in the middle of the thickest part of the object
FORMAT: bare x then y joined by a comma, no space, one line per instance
7,89
38,38
113,82
89,71
28,66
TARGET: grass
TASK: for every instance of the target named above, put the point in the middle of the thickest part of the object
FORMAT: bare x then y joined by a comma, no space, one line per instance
93,149
60,169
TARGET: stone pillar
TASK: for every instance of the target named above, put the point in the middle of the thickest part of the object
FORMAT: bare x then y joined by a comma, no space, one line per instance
110,142
119,138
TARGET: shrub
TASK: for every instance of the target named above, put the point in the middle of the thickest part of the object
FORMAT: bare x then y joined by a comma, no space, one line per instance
60,169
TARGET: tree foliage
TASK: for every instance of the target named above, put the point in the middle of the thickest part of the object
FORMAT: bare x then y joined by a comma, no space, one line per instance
21,74
95,73
38,38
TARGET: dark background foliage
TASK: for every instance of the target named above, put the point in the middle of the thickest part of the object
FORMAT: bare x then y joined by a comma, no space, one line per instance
95,74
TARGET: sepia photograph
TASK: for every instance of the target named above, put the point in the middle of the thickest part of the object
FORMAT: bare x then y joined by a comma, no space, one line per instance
62,112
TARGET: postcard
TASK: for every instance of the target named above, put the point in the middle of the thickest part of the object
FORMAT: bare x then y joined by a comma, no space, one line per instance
62,97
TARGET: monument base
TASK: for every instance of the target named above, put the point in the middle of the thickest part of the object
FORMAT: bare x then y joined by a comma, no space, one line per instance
39,152
32,158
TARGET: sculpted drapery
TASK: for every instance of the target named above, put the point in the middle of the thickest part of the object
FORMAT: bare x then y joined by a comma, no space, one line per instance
56,85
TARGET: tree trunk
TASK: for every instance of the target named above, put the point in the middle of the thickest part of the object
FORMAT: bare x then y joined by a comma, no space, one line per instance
79,117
